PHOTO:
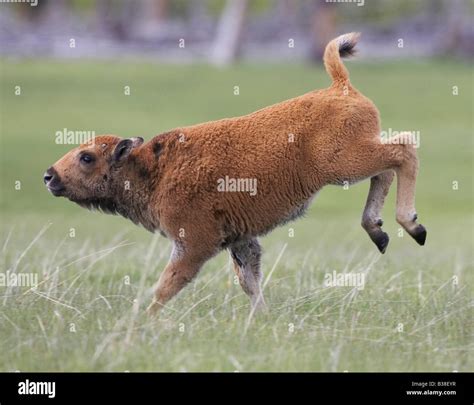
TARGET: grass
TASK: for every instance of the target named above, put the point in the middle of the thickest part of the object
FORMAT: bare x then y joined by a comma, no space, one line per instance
87,312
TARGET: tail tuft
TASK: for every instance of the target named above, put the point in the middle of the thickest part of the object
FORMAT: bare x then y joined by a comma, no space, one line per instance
347,45
341,46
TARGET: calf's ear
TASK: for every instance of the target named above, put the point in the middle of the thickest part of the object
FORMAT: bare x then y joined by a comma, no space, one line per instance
124,147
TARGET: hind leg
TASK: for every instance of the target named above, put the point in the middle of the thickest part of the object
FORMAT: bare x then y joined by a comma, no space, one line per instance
369,158
399,154
406,180
246,256
371,217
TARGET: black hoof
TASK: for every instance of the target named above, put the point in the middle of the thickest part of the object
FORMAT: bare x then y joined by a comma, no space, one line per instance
381,240
419,234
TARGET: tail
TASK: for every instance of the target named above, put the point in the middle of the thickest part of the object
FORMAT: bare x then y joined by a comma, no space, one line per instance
339,47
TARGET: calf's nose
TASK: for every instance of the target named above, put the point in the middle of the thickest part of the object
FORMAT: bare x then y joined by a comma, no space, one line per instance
48,175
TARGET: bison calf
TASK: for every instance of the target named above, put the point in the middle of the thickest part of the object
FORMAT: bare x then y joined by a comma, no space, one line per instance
222,184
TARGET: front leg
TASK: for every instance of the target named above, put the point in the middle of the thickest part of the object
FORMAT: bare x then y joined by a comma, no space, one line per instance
184,264
246,256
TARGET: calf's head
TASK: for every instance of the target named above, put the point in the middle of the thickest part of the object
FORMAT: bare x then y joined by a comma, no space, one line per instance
86,174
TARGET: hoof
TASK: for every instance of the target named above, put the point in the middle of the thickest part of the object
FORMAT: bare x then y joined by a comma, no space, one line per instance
153,309
259,306
381,240
419,234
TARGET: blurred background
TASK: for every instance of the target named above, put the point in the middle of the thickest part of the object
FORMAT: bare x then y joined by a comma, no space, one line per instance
223,31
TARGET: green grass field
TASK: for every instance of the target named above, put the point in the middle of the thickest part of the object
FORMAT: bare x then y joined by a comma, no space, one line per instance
87,313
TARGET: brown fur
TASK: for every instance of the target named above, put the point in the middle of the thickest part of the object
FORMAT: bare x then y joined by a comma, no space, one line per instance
292,149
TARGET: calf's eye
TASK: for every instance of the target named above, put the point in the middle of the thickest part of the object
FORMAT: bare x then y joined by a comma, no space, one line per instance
86,159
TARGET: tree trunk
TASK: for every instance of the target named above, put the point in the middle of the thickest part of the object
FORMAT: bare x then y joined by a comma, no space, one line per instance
229,33
323,28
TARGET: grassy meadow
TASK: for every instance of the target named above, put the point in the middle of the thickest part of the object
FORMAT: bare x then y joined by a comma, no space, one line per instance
95,272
